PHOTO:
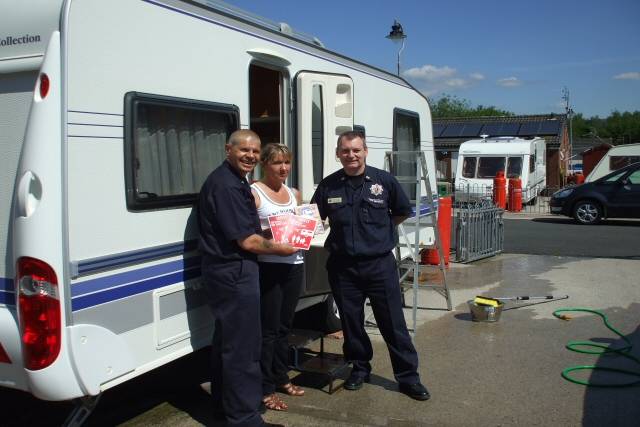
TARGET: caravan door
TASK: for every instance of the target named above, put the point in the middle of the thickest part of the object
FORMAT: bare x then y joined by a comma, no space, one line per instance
324,105
324,111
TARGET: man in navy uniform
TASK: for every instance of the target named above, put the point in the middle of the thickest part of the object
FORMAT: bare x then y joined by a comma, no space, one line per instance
364,205
230,239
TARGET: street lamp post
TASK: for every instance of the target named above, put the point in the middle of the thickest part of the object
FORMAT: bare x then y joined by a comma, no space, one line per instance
397,35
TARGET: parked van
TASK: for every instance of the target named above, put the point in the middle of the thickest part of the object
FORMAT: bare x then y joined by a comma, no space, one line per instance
479,160
616,158
113,114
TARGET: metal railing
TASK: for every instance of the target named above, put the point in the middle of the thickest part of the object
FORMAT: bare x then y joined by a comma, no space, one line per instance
539,203
534,199
479,231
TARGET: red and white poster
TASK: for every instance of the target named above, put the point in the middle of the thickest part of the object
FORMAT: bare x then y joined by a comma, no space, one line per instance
295,230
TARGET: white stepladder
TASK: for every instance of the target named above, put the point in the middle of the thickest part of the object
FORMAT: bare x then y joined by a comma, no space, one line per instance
410,167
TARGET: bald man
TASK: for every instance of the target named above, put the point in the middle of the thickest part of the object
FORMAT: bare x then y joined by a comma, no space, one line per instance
230,240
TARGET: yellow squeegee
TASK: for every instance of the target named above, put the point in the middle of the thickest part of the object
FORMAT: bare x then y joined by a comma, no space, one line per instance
486,301
495,302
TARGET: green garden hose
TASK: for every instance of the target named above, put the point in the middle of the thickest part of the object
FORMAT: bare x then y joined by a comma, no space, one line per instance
590,347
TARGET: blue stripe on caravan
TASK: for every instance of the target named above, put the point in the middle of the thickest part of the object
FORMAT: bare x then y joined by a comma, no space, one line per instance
85,267
7,291
6,285
7,298
103,283
90,300
424,208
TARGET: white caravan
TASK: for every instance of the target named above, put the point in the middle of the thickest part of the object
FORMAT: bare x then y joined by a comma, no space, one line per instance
479,160
112,115
616,158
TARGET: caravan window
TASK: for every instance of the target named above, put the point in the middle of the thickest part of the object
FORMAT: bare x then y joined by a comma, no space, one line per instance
532,163
469,167
171,146
618,162
406,137
514,167
488,167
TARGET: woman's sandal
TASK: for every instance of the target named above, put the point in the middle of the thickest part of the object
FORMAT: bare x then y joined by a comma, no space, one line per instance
291,389
274,403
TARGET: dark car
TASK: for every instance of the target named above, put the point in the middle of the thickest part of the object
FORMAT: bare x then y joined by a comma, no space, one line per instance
616,195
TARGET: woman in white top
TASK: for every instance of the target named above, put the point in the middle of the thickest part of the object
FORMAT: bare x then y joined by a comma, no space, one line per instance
281,277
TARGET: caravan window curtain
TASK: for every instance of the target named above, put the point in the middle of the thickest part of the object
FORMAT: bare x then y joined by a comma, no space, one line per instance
173,146
406,138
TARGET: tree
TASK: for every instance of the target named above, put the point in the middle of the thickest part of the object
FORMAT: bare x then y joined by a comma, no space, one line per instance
620,128
581,127
452,106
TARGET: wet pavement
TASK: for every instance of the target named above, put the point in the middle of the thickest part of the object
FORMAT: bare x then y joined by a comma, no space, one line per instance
503,373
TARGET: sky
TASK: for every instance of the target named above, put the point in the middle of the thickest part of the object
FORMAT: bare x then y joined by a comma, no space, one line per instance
516,55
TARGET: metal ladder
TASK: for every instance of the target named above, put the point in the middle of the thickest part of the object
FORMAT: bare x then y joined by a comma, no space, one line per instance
425,217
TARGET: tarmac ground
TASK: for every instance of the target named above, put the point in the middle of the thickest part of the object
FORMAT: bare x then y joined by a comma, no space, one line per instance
480,373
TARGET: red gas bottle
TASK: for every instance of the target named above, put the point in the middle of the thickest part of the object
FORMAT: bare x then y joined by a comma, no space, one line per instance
515,194
500,190
579,178
444,227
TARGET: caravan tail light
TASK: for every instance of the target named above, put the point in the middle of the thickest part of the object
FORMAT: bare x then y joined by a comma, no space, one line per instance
39,310
44,85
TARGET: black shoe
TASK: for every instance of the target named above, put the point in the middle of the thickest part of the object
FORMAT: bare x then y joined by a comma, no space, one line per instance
355,381
415,391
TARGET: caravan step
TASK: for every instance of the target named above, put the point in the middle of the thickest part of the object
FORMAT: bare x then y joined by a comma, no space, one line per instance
303,359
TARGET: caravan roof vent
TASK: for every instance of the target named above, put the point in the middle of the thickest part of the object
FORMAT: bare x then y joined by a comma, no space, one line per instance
286,29
235,12
484,137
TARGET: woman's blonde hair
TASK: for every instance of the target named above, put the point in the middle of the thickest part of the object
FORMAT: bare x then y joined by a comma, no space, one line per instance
270,152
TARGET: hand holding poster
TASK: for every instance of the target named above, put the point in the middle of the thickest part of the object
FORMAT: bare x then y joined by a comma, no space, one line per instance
293,229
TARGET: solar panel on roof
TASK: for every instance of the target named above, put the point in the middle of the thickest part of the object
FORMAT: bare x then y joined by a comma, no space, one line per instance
501,131
491,129
529,129
509,129
452,131
437,129
471,130
550,127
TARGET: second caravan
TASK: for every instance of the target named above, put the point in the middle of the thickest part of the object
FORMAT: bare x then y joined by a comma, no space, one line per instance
479,160
616,158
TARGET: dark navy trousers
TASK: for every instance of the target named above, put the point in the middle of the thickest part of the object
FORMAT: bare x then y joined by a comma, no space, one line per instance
236,382
354,279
